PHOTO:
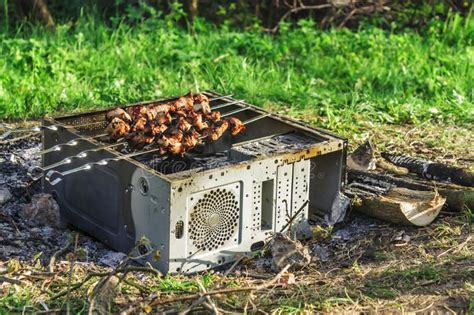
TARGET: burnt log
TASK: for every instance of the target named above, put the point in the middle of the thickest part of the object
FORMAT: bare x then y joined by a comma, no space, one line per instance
457,197
397,205
432,170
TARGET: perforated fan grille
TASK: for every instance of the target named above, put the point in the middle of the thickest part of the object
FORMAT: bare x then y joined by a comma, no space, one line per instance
214,219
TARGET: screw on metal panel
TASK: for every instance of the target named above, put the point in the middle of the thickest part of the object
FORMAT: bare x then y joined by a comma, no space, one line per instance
129,188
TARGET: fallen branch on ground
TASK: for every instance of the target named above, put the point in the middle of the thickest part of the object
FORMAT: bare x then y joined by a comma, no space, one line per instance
432,170
156,301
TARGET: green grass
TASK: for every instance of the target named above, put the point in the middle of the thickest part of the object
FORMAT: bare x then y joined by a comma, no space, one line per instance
336,77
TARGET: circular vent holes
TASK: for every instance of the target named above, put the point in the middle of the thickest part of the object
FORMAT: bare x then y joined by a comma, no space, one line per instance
214,219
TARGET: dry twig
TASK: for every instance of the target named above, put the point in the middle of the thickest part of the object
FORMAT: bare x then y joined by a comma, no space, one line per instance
156,301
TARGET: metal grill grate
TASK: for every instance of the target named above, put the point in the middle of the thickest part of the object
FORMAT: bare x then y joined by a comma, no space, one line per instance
277,144
214,219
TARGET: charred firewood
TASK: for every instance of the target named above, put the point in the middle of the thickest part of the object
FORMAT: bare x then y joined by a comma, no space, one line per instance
432,170
396,205
457,197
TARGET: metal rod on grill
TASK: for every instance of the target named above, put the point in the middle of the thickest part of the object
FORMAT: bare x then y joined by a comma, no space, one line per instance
75,142
227,104
103,162
37,129
210,100
36,172
238,110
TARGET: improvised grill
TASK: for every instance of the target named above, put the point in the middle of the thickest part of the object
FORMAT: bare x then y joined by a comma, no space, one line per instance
200,209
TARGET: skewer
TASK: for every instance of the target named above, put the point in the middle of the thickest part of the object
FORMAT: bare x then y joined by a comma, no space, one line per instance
227,104
37,172
104,162
75,142
38,129
35,129
210,100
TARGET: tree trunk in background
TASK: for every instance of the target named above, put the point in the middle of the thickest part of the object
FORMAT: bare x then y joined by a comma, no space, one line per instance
193,9
37,9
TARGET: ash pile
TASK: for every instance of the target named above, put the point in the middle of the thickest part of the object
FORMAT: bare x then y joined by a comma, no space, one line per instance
30,228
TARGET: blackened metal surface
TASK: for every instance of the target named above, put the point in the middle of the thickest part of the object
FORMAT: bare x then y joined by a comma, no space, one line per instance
156,196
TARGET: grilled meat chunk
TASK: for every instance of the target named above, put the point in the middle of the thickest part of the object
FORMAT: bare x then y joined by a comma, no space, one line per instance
184,102
160,109
140,139
140,124
163,119
200,98
118,113
213,117
197,122
117,128
201,103
216,131
173,134
139,111
183,124
191,139
236,126
172,143
158,129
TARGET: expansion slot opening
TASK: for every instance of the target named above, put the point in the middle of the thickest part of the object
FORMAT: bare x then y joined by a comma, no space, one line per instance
267,205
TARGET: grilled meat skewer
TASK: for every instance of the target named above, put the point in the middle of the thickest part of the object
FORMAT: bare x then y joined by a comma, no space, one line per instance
176,126
236,126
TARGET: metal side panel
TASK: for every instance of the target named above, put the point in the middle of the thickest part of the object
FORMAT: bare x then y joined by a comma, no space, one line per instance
327,178
150,202
95,201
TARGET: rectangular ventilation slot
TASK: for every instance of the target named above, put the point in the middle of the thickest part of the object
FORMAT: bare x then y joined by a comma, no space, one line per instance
267,205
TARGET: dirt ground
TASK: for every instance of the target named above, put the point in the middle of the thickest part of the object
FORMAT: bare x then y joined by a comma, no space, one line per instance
363,265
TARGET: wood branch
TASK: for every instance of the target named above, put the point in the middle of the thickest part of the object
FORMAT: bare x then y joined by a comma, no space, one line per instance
58,253
157,300
457,197
433,170
294,10
11,280
398,205
91,275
